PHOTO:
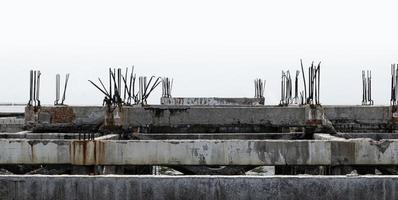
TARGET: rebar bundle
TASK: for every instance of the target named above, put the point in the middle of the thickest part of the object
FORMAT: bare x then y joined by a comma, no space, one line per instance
167,87
394,81
367,88
311,92
314,84
259,88
58,89
286,89
34,88
122,88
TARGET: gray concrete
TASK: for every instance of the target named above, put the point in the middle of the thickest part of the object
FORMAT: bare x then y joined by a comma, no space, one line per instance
212,101
200,152
220,118
364,114
374,136
22,151
183,115
213,152
199,187
160,116
11,124
37,136
219,136
170,152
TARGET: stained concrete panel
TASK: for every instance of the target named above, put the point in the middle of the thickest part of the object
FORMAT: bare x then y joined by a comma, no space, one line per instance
199,187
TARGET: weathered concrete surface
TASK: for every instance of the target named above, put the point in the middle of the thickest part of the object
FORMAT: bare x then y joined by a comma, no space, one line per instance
36,136
170,152
361,118
11,124
64,114
374,136
21,151
212,101
175,118
200,152
179,118
365,114
199,187
213,152
218,136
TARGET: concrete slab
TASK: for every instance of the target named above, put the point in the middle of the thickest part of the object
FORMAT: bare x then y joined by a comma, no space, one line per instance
199,187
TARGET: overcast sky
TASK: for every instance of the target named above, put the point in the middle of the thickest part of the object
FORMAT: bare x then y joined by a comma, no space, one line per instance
210,48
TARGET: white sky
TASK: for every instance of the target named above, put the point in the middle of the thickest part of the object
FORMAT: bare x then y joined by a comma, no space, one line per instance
210,48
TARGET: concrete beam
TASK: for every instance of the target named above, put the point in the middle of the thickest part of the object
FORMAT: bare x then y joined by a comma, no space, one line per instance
212,152
200,152
220,136
169,152
22,151
198,187
212,101
171,116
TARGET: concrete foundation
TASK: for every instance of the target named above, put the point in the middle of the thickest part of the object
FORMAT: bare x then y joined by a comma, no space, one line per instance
198,187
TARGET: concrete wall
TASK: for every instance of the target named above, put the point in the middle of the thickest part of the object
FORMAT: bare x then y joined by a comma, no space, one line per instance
212,101
198,187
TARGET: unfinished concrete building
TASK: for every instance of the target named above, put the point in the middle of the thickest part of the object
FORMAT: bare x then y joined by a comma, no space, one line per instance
201,148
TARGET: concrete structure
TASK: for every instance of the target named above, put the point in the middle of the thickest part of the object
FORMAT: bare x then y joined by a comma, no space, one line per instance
233,119
214,101
204,136
198,187
327,150
11,124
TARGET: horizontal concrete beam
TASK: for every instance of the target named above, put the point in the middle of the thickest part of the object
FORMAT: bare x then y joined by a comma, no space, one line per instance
169,116
198,187
212,101
200,152
38,136
219,136
212,152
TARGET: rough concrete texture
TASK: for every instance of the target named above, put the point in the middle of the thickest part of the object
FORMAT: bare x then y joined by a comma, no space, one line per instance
218,136
218,118
22,151
36,136
374,136
365,114
170,152
361,118
210,152
64,114
174,116
212,101
200,152
11,124
198,187
11,128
